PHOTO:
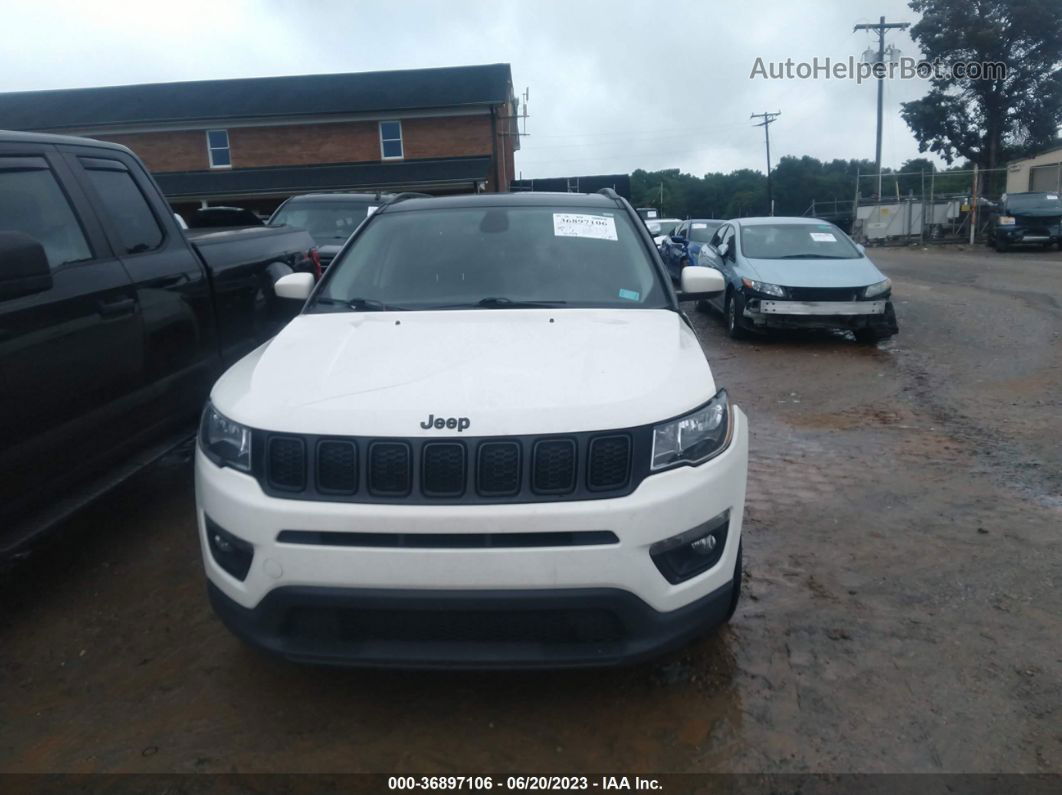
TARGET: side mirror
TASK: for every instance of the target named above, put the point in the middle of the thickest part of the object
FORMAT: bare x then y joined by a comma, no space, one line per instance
723,249
678,240
861,249
297,286
699,282
24,268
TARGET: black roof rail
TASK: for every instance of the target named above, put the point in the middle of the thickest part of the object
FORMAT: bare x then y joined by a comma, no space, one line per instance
610,193
399,197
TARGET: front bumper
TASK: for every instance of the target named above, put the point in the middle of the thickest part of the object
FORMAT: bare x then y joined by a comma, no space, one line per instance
554,628
1018,235
619,579
853,315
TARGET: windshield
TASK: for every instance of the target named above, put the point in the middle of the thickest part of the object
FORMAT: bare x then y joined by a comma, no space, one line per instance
1034,201
796,241
332,221
494,257
702,231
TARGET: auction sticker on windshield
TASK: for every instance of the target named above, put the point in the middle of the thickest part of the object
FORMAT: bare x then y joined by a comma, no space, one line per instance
823,237
597,227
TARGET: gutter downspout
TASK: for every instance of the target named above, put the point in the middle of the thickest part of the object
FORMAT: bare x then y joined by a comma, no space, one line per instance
494,148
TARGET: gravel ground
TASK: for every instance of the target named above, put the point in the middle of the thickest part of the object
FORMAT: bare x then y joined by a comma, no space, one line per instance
902,607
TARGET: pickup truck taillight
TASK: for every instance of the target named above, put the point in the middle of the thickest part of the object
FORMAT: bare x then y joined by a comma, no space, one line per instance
316,259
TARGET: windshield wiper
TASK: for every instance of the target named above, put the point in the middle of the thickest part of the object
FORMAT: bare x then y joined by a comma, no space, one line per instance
501,302
812,256
363,304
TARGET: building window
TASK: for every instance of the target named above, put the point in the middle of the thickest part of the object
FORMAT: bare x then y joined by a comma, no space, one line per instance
391,140
218,147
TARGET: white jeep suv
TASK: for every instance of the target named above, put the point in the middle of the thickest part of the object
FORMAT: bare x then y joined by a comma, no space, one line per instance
490,439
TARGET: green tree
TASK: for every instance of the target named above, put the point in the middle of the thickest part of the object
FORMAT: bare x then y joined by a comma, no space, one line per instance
988,121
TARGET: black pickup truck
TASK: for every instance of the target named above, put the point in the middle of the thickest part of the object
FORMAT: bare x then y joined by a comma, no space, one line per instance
114,322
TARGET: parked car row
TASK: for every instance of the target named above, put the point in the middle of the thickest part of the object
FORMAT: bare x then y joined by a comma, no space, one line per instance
785,273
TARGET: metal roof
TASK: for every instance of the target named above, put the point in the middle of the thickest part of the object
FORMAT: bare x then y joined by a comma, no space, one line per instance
255,98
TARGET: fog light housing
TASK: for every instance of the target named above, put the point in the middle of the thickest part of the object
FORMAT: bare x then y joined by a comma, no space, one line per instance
693,552
233,554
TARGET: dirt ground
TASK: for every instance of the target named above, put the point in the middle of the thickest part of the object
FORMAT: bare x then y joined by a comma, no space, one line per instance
902,611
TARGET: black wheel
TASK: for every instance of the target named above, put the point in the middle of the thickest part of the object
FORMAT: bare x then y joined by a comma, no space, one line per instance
733,312
735,593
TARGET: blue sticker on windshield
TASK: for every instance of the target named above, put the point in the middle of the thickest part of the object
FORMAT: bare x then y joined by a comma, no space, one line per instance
630,295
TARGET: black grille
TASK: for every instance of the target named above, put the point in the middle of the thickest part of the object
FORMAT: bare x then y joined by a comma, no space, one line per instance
287,463
824,293
390,470
552,538
337,467
336,624
587,465
443,469
610,462
498,470
554,466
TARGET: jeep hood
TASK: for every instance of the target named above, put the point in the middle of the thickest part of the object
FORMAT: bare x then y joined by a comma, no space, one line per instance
816,272
509,371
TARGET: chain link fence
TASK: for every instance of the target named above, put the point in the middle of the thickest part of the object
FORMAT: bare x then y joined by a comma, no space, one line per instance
925,207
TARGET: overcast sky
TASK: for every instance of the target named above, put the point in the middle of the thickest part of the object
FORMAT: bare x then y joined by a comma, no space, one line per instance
614,84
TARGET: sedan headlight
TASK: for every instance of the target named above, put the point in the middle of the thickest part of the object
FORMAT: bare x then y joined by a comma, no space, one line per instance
764,287
877,289
694,438
225,442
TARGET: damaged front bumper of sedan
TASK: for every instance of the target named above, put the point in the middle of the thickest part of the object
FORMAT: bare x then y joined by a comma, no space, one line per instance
764,313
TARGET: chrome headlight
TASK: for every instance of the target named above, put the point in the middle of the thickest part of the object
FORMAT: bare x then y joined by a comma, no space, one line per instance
223,441
764,287
877,289
694,438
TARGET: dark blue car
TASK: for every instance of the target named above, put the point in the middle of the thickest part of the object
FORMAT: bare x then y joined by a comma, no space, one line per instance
684,244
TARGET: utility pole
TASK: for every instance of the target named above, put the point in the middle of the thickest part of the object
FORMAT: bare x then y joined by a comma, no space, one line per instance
765,124
880,28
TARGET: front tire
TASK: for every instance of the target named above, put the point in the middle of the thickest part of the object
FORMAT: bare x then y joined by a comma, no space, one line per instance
732,313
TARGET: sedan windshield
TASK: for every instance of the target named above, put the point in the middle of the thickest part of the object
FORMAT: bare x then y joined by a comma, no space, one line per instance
664,227
796,241
331,221
494,258
702,231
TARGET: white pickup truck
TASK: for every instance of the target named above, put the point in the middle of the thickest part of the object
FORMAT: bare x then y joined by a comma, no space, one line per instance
490,439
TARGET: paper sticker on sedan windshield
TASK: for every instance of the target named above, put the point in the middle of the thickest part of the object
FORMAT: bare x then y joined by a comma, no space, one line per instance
700,226
597,227
823,237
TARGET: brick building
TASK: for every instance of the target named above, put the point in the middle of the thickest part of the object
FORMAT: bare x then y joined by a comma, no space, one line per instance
255,141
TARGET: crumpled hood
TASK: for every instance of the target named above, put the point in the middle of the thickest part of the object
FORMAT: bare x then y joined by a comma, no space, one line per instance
816,272
508,371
